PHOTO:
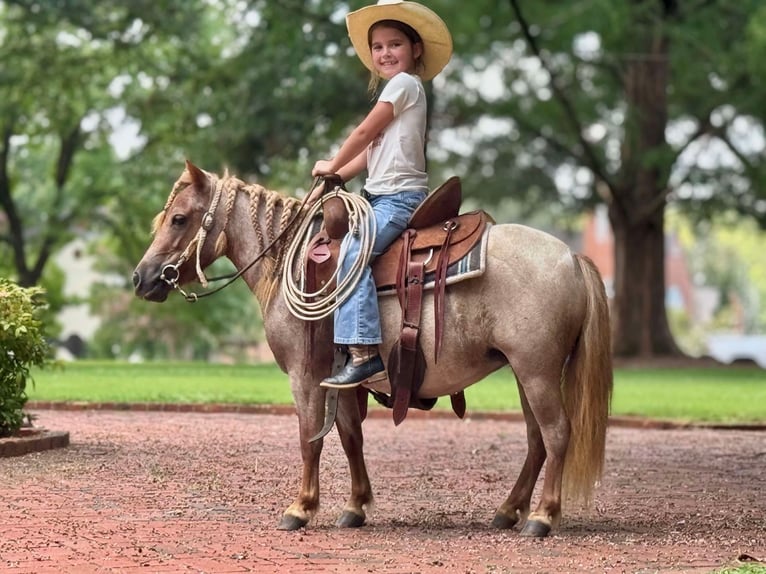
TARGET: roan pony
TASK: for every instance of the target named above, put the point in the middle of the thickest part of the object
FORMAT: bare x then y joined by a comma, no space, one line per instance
538,307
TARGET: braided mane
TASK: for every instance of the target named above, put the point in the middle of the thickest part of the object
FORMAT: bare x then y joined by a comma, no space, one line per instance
277,211
269,211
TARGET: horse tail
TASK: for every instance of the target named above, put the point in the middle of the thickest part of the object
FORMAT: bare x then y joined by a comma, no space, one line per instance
587,390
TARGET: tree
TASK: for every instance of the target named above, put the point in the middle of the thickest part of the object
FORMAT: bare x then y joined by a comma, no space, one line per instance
228,84
632,103
76,71
283,94
66,61
555,105
256,89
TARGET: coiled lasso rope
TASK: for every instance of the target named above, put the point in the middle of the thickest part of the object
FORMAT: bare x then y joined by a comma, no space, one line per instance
319,304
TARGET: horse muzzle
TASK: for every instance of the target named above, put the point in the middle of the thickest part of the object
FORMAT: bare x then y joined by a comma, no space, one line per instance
156,289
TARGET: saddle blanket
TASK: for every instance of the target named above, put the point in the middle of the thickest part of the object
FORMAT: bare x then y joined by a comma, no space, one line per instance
472,265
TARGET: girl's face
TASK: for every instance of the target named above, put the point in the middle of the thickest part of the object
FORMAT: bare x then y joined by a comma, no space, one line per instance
393,52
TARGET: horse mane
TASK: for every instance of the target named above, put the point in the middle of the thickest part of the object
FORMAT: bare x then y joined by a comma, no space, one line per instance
274,203
269,210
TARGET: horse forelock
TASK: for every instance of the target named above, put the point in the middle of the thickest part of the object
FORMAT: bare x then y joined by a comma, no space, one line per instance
184,180
157,221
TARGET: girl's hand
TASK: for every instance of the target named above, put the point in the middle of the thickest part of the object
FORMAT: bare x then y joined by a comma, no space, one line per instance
322,167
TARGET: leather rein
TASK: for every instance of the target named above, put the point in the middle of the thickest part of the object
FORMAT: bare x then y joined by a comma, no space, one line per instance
170,272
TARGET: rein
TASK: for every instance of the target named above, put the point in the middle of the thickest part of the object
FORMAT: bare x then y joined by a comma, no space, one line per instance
170,273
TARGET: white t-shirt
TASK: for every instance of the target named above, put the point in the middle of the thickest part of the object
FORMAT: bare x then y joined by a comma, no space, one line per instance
396,157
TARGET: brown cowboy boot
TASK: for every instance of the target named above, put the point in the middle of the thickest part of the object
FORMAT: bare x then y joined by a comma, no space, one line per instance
363,363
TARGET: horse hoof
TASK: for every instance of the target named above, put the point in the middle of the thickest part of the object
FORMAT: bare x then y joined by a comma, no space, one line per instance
350,520
535,529
290,522
504,522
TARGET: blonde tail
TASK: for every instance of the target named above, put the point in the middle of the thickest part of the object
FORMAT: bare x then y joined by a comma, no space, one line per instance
587,391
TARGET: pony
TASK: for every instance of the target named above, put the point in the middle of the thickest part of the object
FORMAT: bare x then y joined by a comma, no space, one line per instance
538,307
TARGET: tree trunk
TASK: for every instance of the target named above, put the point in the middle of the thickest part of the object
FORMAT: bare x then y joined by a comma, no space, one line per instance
640,325
639,322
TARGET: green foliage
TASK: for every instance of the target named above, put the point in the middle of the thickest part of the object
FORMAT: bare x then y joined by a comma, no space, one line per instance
726,254
690,336
715,67
742,269
22,346
175,329
265,88
61,99
286,90
85,158
743,569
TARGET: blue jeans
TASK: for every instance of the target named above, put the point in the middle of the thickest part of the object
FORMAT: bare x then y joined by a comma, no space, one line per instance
357,320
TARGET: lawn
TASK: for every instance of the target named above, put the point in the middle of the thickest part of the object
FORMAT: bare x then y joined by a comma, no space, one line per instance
736,394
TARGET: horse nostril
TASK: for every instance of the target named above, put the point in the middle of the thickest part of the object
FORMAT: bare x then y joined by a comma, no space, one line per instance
136,279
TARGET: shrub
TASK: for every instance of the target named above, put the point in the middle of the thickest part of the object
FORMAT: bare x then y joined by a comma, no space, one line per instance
22,345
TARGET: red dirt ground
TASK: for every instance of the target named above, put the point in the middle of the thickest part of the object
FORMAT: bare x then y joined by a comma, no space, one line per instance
189,492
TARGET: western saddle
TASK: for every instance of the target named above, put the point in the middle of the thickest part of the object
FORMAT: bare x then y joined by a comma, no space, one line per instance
436,237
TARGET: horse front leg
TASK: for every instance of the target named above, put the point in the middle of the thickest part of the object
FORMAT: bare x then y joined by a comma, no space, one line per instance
349,424
309,405
515,509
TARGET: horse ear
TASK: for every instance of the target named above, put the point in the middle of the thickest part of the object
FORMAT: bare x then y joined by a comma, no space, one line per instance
199,178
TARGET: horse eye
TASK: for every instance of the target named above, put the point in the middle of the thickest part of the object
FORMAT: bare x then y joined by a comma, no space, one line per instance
179,220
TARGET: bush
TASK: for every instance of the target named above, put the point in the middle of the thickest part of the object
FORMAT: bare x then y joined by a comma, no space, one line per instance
22,345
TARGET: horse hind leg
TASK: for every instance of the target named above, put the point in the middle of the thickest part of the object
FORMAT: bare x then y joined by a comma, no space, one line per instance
515,509
543,394
349,424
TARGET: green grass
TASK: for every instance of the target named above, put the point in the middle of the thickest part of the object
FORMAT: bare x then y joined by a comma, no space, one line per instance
715,394
695,395
745,569
183,382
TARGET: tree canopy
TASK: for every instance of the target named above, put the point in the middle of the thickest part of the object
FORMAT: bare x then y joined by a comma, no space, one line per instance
547,107
633,104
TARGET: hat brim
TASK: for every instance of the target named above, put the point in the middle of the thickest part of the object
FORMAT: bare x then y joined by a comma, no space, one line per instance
437,40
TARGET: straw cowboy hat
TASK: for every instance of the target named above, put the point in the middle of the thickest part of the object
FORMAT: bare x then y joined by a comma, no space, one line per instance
437,41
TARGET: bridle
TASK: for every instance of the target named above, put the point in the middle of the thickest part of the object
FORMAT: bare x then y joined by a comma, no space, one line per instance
170,272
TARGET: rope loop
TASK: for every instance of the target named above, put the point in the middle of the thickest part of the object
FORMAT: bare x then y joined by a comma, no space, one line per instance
319,304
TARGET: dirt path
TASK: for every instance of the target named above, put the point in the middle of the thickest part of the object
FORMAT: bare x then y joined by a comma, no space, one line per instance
173,492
